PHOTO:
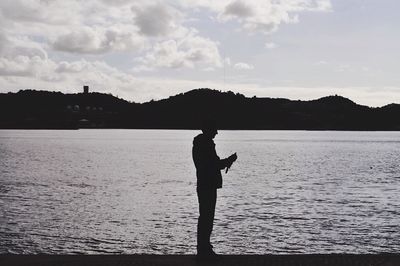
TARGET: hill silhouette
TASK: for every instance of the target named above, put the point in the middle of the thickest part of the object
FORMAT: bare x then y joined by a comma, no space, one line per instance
43,109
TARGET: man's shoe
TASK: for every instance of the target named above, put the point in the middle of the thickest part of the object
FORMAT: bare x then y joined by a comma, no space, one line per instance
207,255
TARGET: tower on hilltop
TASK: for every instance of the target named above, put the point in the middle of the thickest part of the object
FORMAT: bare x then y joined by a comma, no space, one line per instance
85,89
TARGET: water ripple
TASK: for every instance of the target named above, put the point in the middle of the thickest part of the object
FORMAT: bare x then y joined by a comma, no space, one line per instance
93,191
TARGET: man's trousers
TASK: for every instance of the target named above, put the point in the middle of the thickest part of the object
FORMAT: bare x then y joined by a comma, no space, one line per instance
207,199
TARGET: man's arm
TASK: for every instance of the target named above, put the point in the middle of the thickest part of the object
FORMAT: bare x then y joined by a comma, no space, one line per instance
227,162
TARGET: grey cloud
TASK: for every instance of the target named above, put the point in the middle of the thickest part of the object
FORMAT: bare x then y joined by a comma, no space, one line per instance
239,9
17,10
3,42
84,41
116,2
37,11
91,41
28,51
156,20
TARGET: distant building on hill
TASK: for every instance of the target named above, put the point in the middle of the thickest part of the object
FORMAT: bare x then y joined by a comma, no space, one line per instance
85,89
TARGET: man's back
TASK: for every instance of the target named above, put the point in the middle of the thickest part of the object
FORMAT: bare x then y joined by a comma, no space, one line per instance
207,163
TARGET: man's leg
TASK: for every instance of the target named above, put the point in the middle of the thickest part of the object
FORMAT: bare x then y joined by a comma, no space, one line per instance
207,200
211,215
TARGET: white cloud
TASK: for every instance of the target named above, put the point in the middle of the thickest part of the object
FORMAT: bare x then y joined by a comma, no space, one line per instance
322,62
72,67
36,72
271,45
260,16
228,61
35,69
19,66
365,69
21,56
202,50
343,68
243,66
165,54
24,62
191,51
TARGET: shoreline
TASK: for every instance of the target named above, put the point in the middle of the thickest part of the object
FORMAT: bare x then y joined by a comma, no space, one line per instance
188,260
191,129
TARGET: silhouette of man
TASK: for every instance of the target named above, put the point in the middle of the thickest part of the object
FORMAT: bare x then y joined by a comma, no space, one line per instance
209,179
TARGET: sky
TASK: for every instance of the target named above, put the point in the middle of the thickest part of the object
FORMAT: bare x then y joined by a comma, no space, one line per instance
141,50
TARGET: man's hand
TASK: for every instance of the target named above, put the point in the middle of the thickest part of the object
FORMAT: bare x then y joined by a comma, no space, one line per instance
231,159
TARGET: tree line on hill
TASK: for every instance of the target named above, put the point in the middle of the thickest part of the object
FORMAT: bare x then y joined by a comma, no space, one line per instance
29,109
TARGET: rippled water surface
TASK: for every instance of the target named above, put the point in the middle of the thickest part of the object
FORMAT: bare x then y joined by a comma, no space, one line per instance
133,191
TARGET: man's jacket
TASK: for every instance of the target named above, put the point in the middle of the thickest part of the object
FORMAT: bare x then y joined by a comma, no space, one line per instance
208,164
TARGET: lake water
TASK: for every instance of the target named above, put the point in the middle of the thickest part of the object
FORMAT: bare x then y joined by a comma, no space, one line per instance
133,191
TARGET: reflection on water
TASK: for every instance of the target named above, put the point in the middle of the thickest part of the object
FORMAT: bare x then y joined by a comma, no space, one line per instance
133,191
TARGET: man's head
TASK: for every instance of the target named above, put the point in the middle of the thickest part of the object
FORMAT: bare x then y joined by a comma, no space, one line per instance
209,128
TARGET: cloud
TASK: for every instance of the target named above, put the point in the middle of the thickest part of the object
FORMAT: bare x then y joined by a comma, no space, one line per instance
175,46
191,51
3,41
321,63
365,69
21,56
157,20
35,72
25,62
260,16
243,66
98,40
72,67
343,68
19,66
100,26
89,27
270,45
151,34
37,11
116,2
238,9
165,54
34,68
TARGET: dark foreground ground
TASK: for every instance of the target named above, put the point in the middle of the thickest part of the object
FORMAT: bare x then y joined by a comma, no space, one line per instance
188,260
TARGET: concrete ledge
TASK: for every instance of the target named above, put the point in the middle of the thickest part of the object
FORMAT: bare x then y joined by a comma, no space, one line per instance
188,260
